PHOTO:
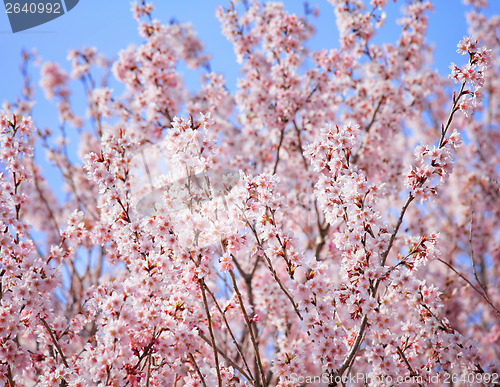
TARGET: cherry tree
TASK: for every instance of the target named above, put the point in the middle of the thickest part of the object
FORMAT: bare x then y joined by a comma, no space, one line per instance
338,215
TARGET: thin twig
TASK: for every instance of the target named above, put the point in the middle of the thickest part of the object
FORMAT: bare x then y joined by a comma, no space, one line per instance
54,340
278,151
404,260
228,359
248,322
322,232
299,145
402,355
472,258
10,379
210,330
238,348
396,229
484,296
197,369
454,109
149,370
355,157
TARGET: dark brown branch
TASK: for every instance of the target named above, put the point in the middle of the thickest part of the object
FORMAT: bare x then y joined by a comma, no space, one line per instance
278,151
10,379
273,271
299,145
248,323
454,109
148,376
54,340
210,330
403,357
352,353
247,279
197,369
355,157
483,287
396,229
322,232
228,359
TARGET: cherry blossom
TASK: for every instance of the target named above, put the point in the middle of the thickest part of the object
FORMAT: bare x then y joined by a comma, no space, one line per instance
336,214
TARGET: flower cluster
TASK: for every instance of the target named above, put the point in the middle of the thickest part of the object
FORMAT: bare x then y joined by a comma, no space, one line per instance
472,74
433,166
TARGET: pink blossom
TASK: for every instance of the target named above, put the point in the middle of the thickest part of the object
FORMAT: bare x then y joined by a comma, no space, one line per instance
336,212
